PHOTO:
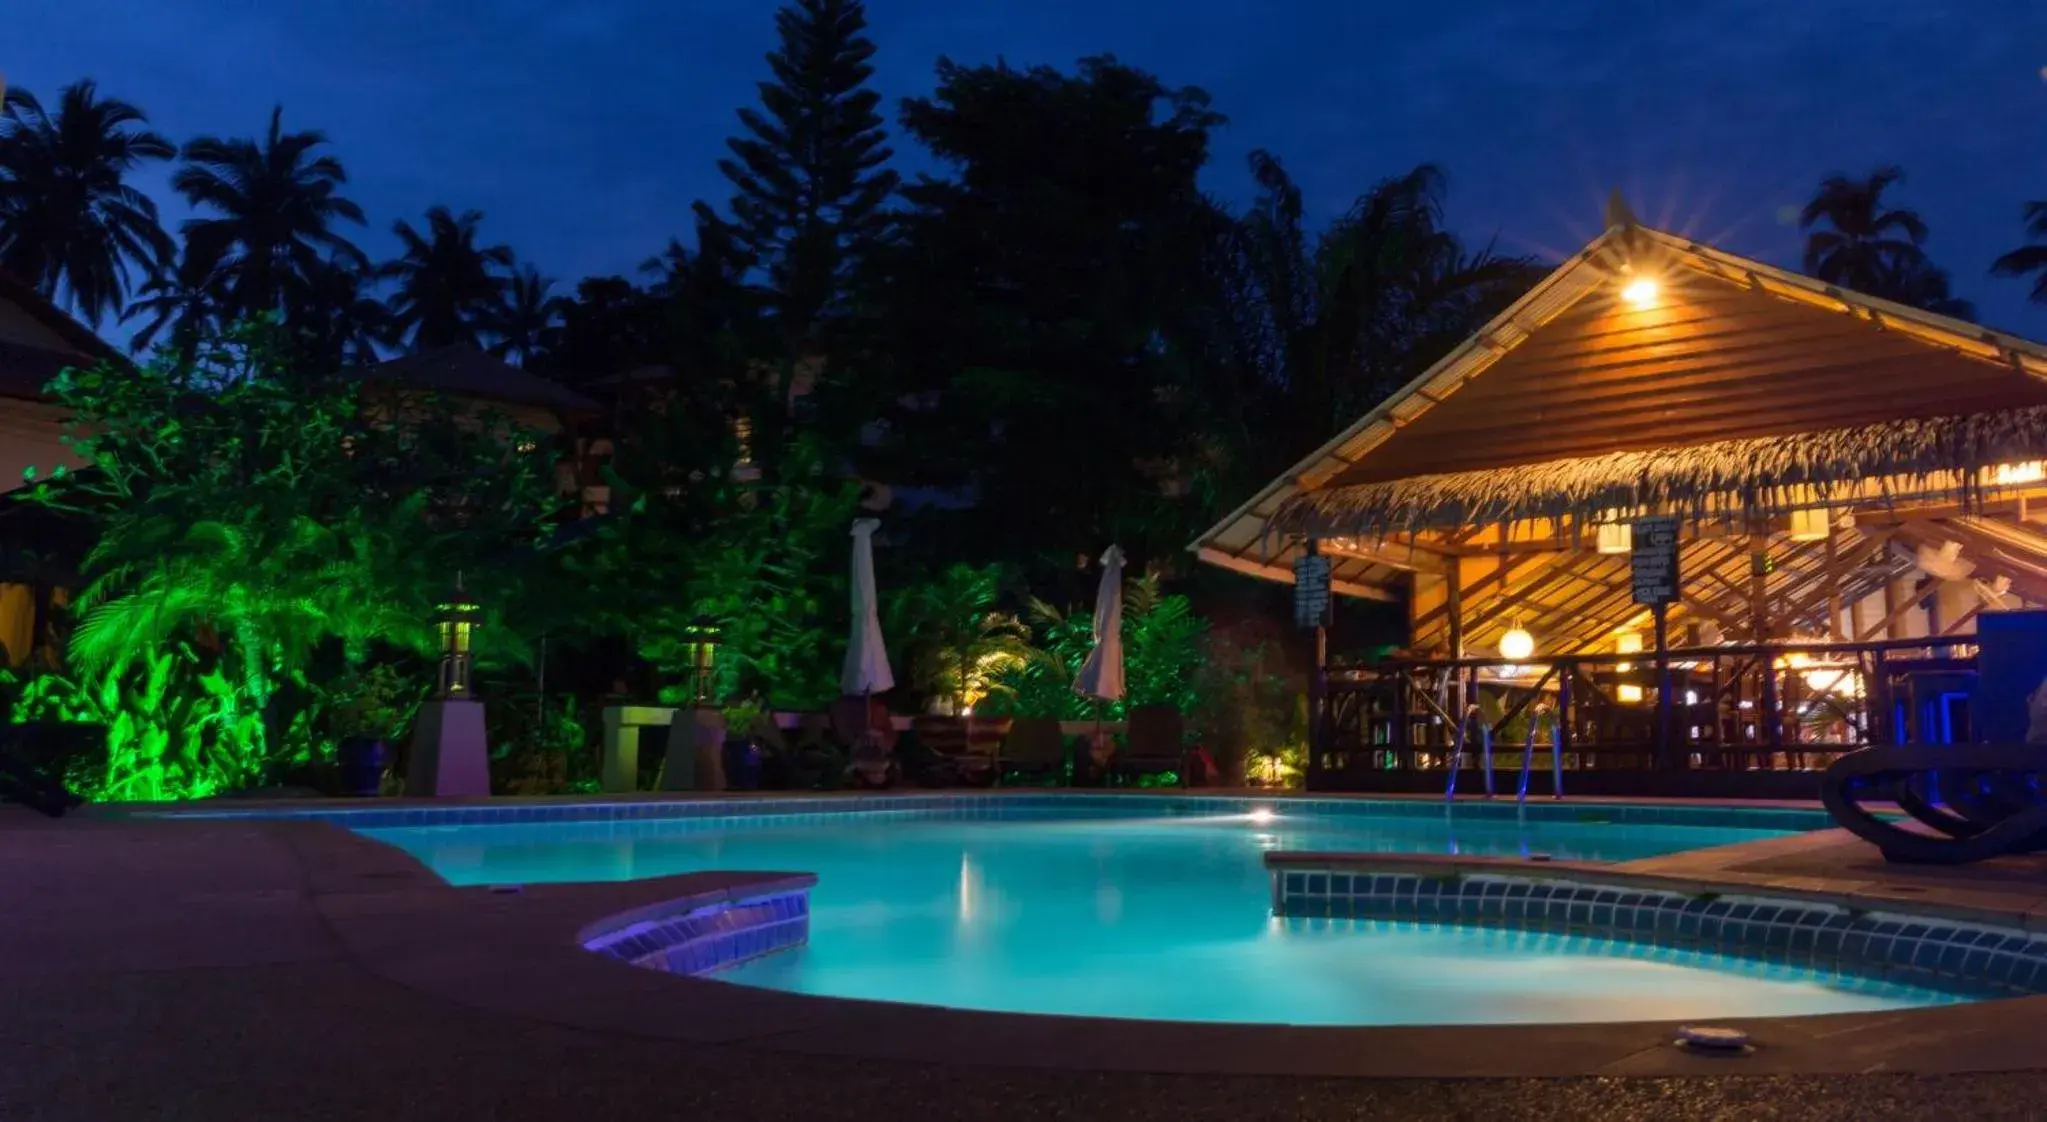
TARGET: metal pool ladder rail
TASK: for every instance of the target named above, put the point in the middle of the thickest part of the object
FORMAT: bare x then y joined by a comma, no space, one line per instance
1473,715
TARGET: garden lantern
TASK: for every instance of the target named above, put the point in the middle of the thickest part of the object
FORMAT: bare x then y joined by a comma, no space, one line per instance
700,644
455,623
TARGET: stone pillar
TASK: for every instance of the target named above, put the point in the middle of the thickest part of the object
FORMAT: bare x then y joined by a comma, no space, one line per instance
450,753
696,751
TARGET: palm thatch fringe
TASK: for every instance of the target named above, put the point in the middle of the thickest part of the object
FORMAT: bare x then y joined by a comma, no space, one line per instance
1748,480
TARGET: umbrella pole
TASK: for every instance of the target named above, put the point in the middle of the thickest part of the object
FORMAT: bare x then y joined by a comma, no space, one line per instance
1096,742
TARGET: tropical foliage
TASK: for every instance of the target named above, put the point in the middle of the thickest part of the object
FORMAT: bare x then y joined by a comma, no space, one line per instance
449,289
267,212
1163,639
960,647
1859,242
253,528
69,222
2029,259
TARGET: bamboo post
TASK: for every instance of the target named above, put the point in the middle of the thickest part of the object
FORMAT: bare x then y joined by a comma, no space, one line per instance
1663,698
1454,603
1318,695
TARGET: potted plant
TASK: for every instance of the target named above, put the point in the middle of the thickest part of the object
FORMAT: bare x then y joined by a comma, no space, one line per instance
962,650
372,709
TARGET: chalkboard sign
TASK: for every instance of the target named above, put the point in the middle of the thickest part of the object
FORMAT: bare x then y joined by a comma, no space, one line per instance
1654,563
1311,590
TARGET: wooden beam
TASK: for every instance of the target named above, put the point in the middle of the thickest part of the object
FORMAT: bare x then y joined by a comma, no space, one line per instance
1414,558
1562,568
1834,628
1759,589
1963,620
1895,607
1454,602
1481,584
1252,568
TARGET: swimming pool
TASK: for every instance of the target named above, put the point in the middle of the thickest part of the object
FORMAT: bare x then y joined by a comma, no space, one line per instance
1160,909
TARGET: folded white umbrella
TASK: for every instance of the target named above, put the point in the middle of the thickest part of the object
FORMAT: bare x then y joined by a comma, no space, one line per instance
1101,676
866,670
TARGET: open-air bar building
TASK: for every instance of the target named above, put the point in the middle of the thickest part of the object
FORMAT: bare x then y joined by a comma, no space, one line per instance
1859,503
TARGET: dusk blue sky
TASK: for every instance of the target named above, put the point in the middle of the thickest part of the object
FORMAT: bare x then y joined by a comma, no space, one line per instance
584,130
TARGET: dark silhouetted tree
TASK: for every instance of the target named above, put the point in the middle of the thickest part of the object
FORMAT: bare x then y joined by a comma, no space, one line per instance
2029,259
267,212
526,316
70,224
180,304
809,172
1857,241
449,289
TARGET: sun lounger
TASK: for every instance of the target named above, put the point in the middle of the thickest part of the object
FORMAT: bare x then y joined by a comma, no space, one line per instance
1976,801
1035,746
1153,744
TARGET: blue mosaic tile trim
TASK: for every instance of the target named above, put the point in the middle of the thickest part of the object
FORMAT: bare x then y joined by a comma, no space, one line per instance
1934,953
714,937
718,813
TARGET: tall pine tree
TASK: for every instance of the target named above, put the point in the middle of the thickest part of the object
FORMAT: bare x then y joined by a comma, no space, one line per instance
809,175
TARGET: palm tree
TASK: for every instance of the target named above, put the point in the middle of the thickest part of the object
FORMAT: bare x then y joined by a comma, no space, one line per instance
68,221
449,290
181,295
338,319
273,207
2029,259
1330,324
1918,283
1866,241
527,316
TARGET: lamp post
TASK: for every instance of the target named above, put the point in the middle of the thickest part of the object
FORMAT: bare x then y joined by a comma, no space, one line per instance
455,624
695,759
450,752
700,643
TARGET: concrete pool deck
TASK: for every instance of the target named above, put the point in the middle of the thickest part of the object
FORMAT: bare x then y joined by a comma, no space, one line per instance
219,968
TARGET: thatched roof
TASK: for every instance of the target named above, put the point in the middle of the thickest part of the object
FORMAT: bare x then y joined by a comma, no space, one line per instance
467,372
1743,387
1949,458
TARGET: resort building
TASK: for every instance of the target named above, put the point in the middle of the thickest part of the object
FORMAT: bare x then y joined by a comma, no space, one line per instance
1854,489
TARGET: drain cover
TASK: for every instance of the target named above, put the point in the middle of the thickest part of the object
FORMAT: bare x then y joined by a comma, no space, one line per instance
1713,1038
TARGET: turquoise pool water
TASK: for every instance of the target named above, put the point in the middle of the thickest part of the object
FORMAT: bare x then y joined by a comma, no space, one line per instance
1159,917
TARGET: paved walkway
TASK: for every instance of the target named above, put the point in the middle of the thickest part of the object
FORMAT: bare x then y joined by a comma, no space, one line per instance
225,970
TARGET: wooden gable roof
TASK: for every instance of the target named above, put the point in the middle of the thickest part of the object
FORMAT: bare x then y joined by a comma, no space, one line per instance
1711,358
1729,350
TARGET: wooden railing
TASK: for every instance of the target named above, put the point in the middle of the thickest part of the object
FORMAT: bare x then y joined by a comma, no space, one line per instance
1777,707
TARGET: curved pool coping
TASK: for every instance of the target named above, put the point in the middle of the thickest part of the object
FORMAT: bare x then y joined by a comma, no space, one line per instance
521,954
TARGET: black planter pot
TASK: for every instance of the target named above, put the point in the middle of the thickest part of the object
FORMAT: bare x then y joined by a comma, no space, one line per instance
742,764
362,760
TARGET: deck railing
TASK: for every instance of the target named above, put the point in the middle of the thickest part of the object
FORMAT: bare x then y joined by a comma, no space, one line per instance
1775,707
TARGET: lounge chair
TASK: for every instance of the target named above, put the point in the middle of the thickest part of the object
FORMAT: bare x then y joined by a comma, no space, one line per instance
862,724
1977,801
966,749
1035,746
1153,743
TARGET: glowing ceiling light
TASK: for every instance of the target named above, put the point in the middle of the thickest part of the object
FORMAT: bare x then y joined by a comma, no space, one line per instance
1517,644
1640,293
1615,537
1811,525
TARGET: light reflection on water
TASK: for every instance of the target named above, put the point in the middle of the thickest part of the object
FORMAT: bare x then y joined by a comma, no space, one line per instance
1160,918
